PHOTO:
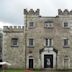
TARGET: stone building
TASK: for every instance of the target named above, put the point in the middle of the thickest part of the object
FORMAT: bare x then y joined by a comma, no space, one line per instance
1,40
13,46
43,42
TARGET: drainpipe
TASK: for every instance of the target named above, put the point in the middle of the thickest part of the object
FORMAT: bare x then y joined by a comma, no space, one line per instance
25,38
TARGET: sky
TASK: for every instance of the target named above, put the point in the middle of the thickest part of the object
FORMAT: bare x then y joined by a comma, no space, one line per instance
11,11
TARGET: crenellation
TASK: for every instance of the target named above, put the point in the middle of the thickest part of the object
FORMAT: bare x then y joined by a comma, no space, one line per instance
59,12
71,12
37,12
46,42
10,27
31,12
64,12
13,28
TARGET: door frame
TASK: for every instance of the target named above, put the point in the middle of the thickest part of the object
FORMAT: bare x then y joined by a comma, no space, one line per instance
30,56
29,63
52,60
1,65
50,52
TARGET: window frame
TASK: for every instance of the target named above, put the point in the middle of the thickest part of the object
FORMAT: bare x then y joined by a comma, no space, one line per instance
66,43
31,44
48,42
66,25
31,26
14,40
48,24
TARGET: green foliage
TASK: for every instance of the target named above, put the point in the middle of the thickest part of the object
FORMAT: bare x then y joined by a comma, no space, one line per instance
13,70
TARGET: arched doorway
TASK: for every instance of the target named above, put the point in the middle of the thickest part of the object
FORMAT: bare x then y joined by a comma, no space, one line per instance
30,61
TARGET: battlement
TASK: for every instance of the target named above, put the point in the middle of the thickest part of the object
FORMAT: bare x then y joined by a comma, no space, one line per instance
65,12
13,28
31,12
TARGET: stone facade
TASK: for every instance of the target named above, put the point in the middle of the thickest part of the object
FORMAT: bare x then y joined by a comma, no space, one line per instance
34,56
14,54
1,37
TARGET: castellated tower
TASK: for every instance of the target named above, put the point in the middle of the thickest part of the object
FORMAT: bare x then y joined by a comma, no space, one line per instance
13,46
48,40
30,15
31,25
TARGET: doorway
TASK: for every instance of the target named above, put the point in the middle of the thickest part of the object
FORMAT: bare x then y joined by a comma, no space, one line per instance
0,65
30,63
48,61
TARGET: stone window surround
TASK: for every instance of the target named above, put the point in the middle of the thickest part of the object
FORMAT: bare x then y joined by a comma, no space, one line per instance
68,21
31,27
65,24
12,42
48,25
49,45
68,42
28,42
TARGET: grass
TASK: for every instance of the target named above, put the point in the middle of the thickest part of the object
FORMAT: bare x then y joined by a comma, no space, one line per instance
22,70
19,70
13,70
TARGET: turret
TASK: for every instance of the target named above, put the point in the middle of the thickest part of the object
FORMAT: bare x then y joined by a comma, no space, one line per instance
65,12
31,12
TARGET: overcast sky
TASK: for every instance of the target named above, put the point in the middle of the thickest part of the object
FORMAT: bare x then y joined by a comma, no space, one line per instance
11,11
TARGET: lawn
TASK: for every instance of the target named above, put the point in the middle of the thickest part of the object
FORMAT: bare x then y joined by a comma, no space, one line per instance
13,70
22,70
18,70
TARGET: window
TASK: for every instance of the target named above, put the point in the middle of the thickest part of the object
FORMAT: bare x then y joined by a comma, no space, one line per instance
0,36
31,42
66,24
14,41
66,62
66,44
48,24
31,24
48,42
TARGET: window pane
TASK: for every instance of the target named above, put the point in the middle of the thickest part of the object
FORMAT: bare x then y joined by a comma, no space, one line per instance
65,24
65,42
50,42
31,24
31,42
14,41
46,42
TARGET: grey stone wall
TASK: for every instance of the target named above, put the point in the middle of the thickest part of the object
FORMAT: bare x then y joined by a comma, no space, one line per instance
14,55
57,33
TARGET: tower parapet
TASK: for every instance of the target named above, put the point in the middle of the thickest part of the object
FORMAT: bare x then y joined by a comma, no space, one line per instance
65,12
13,28
31,12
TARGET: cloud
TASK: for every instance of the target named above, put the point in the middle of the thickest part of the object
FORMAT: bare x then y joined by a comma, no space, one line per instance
11,11
5,24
